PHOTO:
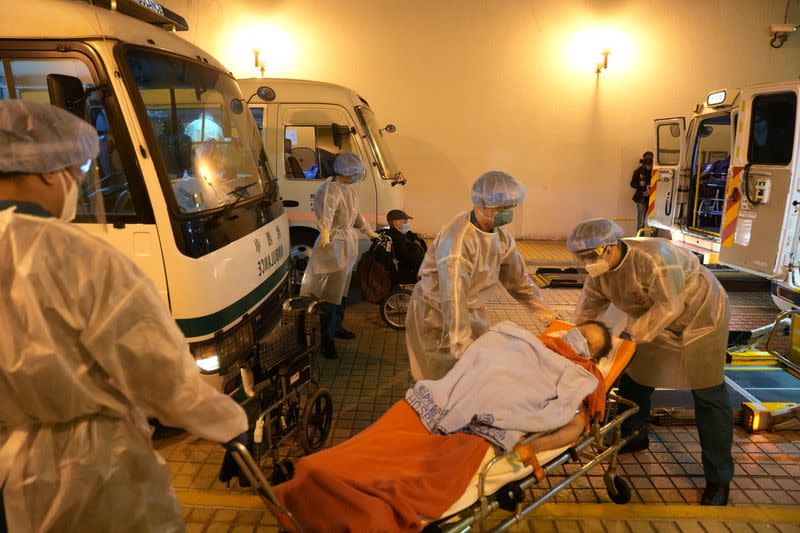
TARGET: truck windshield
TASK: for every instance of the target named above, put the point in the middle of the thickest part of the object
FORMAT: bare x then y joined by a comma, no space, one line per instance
210,146
379,146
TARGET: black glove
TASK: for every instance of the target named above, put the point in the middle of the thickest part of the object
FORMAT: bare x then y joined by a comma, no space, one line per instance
230,468
625,335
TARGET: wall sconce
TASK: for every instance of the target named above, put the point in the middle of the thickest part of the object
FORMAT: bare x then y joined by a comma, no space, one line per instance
604,65
258,64
779,33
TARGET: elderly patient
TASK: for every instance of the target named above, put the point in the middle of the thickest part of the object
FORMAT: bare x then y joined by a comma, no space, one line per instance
407,467
510,382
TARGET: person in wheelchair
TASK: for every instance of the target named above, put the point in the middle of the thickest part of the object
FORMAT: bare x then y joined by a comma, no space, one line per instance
409,248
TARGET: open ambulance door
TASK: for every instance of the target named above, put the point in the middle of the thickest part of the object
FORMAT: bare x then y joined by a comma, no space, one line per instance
759,224
670,139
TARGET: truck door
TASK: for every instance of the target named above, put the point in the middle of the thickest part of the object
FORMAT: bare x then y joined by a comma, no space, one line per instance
759,228
670,140
130,223
309,139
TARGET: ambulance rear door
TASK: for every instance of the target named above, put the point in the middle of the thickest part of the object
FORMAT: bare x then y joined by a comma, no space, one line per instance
759,226
670,143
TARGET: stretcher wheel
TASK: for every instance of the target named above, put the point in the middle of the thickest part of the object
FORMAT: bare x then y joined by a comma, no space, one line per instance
618,490
316,421
394,307
281,471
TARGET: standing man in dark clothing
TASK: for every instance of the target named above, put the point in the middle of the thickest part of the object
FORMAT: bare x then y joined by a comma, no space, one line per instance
641,182
409,248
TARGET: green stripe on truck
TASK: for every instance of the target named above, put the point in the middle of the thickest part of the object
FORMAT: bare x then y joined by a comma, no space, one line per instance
206,325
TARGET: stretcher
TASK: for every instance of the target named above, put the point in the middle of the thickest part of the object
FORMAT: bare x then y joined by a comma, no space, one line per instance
500,481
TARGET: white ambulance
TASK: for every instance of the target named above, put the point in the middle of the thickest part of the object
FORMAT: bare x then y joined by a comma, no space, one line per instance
188,191
304,126
728,186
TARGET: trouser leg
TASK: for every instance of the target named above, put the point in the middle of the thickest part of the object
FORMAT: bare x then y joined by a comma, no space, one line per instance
340,314
328,325
641,215
715,428
639,394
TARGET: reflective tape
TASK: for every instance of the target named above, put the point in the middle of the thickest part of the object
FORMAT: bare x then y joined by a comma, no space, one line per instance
651,207
733,200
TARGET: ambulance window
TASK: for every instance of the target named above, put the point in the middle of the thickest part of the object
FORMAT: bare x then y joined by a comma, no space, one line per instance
29,78
669,144
772,129
309,151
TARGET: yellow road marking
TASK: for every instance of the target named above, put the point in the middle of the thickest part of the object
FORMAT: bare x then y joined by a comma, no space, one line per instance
220,499
603,511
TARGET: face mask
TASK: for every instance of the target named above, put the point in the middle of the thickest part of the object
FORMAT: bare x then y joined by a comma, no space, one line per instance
70,207
503,217
597,268
577,342
405,228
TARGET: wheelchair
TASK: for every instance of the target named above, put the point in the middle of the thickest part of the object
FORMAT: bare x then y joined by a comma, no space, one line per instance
396,296
280,386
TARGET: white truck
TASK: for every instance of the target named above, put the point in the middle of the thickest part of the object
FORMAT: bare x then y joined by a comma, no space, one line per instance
728,186
304,126
188,193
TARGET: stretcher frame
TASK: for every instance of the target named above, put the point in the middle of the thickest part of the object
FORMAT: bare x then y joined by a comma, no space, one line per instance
595,444
601,443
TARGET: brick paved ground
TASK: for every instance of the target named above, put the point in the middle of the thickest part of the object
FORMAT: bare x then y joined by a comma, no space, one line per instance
372,373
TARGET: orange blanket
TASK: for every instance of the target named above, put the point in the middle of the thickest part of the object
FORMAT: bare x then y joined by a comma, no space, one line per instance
384,478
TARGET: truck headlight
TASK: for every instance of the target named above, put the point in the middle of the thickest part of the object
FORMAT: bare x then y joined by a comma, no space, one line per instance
208,364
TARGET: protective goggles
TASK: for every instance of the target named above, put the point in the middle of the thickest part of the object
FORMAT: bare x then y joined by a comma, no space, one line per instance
592,254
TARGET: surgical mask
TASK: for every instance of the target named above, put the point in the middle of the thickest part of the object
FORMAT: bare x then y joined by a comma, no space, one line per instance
405,228
577,342
355,179
70,207
503,217
597,268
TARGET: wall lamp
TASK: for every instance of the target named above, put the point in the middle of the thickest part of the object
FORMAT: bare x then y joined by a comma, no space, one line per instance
779,33
604,65
258,64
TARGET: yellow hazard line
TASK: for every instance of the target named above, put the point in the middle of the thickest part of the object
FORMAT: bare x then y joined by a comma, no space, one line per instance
219,499
603,511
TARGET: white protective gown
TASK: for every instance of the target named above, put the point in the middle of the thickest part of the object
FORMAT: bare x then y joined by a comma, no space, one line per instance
447,310
329,270
86,342
678,314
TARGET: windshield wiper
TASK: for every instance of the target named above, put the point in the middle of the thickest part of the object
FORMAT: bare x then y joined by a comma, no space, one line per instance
240,195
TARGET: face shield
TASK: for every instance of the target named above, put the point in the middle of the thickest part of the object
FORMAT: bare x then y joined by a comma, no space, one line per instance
91,207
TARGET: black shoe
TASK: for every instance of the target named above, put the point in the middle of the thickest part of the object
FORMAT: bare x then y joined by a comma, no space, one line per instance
345,334
330,353
715,494
635,446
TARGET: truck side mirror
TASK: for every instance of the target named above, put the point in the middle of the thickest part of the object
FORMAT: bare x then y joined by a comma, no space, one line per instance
265,93
340,132
67,92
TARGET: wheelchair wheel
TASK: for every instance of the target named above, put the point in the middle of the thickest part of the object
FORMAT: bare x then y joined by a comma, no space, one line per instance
394,307
315,425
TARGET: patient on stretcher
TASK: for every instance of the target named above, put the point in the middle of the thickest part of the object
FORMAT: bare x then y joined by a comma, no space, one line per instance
406,469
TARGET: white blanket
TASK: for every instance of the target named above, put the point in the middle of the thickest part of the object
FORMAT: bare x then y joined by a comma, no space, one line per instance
507,383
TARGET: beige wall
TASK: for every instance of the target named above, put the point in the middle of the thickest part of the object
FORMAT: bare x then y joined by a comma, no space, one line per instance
474,85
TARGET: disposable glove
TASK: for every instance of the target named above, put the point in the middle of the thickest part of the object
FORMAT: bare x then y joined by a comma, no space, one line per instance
324,237
230,468
371,234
